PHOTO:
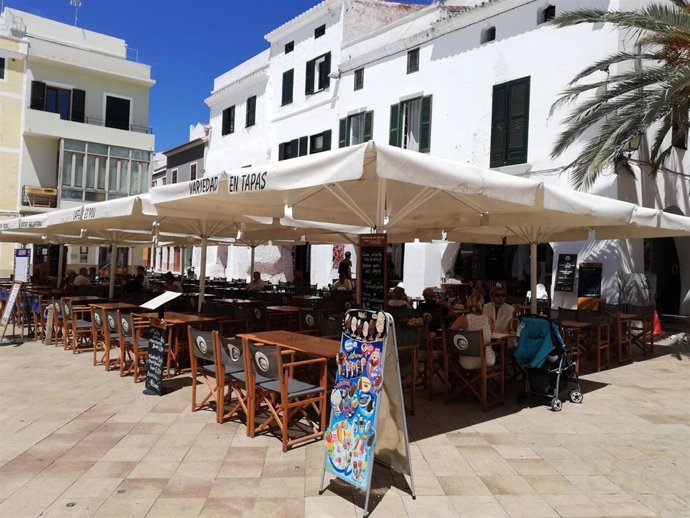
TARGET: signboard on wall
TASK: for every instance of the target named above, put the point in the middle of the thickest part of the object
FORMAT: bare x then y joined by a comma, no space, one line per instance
589,280
565,272
22,263
372,278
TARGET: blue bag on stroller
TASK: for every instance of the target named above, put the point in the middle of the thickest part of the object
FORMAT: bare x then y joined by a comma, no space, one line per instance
541,352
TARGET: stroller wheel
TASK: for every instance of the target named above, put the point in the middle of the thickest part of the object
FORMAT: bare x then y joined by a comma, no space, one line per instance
575,396
556,404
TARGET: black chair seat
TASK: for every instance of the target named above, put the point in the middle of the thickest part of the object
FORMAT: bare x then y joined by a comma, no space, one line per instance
241,376
83,324
296,388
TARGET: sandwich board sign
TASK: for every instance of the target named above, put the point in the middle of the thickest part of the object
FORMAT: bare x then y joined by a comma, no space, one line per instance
367,409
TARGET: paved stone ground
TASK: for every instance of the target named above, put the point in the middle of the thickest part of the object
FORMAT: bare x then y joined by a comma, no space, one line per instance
77,441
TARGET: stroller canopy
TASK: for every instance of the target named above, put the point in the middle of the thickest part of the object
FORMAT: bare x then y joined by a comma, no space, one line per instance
537,337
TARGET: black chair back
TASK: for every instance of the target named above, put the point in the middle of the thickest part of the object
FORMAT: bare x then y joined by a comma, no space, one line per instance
112,320
126,326
266,360
231,353
97,318
568,314
202,345
309,319
464,343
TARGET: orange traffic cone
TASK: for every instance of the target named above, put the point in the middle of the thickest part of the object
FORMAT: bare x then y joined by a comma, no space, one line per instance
656,325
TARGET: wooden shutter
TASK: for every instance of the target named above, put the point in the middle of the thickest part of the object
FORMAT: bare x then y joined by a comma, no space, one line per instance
288,78
281,151
224,124
368,126
231,120
395,138
311,65
518,121
344,132
425,125
38,95
303,146
78,105
324,70
327,140
251,111
499,121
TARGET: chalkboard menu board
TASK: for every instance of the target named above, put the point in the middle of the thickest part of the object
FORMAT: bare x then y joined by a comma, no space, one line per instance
156,358
10,303
589,280
372,271
565,274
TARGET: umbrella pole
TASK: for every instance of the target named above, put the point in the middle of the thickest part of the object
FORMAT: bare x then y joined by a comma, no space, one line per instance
202,274
113,265
61,261
251,262
183,249
533,276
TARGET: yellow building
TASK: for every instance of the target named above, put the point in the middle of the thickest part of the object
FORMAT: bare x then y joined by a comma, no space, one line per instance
13,54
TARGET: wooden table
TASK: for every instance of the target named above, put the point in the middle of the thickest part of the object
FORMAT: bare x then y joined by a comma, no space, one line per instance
283,316
307,297
176,323
235,301
306,344
575,327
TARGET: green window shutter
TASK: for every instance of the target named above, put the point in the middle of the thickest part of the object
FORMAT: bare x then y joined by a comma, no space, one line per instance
368,126
78,105
324,80
425,125
309,89
231,121
281,152
288,78
395,138
344,133
327,140
38,95
518,121
499,122
250,118
303,146
224,124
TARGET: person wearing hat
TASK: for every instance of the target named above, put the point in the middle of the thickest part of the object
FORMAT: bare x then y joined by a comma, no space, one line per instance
497,310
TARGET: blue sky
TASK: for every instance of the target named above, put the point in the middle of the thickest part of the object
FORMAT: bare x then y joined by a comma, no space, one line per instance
187,44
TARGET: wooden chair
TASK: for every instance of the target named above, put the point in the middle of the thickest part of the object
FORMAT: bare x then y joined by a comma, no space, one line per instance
205,363
233,393
600,337
111,340
98,337
57,328
288,401
642,328
331,326
487,383
620,331
411,341
259,319
309,320
133,345
38,321
76,330
436,357
233,319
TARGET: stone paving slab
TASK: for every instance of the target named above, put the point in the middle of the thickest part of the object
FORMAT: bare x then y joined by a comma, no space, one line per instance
76,441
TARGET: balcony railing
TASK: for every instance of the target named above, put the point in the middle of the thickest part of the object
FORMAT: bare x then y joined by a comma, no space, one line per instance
127,127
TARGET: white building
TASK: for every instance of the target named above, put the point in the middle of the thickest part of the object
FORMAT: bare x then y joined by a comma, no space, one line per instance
471,83
83,122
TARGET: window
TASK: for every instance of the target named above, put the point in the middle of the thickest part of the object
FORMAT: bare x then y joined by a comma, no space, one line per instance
488,34
192,171
251,111
288,80
117,112
359,79
317,73
546,14
411,124
58,100
320,31
320,142
679,130
289,47
412,61
294,148
510,123
228,121
173,176
165,180
3,69
356,129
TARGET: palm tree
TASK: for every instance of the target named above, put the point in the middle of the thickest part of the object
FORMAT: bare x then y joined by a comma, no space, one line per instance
650,89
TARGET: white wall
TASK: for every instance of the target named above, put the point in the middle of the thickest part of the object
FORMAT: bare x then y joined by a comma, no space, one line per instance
322,272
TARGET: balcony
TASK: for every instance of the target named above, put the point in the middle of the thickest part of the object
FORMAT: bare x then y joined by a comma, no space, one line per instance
47,124
39,196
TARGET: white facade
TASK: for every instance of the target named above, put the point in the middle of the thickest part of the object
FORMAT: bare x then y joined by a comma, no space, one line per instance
459,73
84,124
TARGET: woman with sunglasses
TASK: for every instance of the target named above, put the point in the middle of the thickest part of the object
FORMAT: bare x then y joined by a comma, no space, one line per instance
497,310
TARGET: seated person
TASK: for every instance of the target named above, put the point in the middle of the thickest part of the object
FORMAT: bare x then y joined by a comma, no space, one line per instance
432,305
171,284
500,312
343,284
136,285
257,284
92,274
476,321
82,279
398,298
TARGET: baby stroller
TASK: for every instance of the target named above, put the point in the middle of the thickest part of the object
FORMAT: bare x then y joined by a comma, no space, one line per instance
541,352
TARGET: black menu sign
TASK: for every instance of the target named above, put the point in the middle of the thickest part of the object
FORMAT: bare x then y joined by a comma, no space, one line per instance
372,271
565,274
589,280
156,358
